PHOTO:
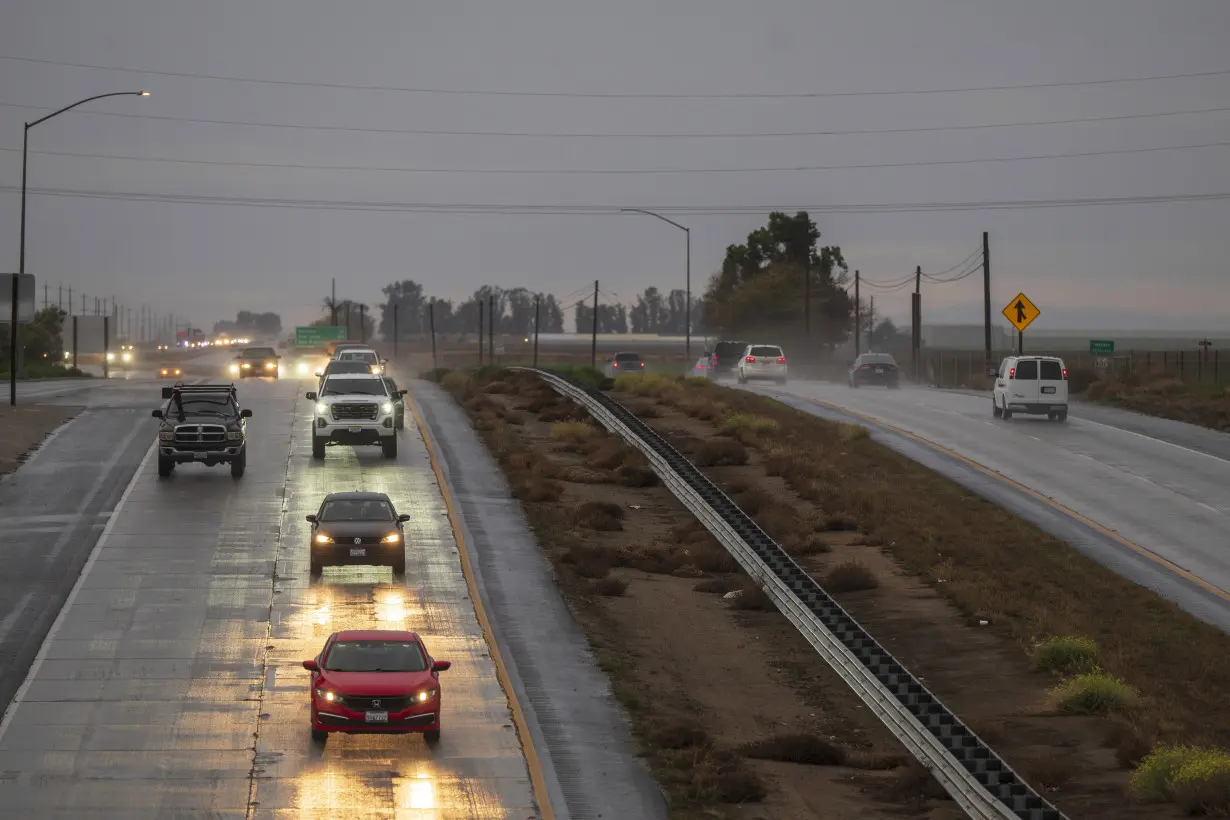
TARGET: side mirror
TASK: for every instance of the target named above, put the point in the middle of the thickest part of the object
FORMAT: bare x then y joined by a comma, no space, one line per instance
157,414
311,396
384,361
402,393
403,518
440,666
245,413
311,666
320,374
311,518
992,372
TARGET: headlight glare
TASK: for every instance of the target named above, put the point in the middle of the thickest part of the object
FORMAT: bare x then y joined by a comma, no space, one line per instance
327,695
391,538
425,695
322,408
323,539
387,407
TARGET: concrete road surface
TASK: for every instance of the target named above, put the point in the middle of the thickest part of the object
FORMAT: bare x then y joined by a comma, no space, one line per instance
171,685
1150,497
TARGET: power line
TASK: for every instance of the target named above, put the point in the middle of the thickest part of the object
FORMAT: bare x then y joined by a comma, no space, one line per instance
614,94
933,276
627,171
608,210
630,135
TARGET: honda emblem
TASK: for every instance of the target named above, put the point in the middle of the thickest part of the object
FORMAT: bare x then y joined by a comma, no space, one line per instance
358,540
376,703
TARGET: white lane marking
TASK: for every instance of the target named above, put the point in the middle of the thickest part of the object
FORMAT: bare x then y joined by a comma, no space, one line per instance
1157,440
43,650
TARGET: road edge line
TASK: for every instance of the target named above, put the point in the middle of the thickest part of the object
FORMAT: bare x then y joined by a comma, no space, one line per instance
105,536
537,777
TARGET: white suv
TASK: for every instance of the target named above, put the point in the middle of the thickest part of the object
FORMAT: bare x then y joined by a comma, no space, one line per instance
762,362
1033,385
355,409
365,355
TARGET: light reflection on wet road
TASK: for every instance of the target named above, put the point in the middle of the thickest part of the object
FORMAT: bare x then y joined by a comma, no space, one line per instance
172,685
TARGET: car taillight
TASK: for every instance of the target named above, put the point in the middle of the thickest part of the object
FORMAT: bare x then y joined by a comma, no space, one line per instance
643,364
714,362
1065,374
1012,372
751,358
781,359
614,364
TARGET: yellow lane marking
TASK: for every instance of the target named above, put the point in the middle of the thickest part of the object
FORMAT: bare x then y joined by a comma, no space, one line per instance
537,779
1109,533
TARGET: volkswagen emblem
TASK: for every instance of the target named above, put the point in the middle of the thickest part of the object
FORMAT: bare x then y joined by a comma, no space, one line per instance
358,540
376,703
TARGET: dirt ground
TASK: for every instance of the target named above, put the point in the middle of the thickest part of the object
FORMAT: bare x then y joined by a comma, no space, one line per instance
22,428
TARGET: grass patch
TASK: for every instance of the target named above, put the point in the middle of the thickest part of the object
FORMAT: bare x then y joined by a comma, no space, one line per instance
753,598
573,432
1160,394
608,587
850,576
719,452
1196,778
747,423
796,748
1066,655
718,586
1093,693
42,369
603,516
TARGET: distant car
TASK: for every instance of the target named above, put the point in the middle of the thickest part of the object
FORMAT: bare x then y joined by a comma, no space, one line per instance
1033,385
700,370
375,681
762,362
874,368
170,372
334,368
399,403
623,363
726,355
357,528
256,361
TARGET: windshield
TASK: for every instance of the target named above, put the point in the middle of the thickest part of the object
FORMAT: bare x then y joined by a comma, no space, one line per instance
344,386
627,357
258,353
375,656
220,406
358,356
348,367
877,358
357,509
766,351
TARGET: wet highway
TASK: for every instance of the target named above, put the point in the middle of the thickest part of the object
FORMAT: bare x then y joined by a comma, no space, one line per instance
1154,495
170,685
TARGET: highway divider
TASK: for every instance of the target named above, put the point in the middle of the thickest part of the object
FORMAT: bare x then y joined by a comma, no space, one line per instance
976,778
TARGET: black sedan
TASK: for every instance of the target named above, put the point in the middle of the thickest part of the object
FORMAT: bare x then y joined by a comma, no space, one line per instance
357,528
874,368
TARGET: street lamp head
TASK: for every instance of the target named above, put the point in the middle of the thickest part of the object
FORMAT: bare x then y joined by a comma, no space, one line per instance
143,94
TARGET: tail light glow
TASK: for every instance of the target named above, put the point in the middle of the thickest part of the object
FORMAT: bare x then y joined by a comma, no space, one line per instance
1065,374
751,358
781,359
1012,372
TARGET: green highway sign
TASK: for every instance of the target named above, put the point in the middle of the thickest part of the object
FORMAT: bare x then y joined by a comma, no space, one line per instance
1101,347
316,335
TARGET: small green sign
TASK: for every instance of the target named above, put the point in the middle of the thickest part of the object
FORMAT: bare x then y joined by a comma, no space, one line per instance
1101,347
317,335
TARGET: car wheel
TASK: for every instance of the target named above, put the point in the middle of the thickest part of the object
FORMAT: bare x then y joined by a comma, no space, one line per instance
240,464
432,736
319,735
995,411
165,466
389,446
316,567
401,422
318,448
399,565
1061,416
1007,414
782,380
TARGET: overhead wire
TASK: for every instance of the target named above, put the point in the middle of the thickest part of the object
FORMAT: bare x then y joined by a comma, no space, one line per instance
934,276
630,135
616,94
625,171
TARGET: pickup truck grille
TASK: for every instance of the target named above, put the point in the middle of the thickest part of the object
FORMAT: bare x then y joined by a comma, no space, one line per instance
354,412
194,434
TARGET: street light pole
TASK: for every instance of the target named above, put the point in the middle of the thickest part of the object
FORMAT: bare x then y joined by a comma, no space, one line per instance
21,264
688,304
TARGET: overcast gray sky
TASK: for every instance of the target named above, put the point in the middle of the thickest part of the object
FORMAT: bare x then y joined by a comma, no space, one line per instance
1154,265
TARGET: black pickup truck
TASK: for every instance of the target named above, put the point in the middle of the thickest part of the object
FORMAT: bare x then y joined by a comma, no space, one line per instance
202,424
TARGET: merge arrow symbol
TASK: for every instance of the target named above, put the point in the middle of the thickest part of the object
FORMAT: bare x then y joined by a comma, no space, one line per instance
1020,311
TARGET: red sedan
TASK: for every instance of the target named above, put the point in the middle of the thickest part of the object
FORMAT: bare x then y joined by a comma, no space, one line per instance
375,681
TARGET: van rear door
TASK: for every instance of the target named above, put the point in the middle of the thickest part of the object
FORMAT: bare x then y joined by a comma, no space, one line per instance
1023,386
1052,386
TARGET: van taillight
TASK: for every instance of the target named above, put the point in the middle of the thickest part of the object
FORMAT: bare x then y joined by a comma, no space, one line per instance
1012,373
781,359
750,359
1065,374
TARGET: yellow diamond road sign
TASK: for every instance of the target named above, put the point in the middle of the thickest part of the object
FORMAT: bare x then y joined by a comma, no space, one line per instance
1021,312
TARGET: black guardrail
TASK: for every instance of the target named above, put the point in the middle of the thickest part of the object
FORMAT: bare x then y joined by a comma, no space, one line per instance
962,744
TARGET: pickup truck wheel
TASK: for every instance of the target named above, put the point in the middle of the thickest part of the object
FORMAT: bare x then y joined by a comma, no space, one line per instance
389,446
165,466
318,448
240,464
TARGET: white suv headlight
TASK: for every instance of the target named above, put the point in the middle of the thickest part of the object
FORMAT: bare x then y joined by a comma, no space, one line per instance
387,407
322,408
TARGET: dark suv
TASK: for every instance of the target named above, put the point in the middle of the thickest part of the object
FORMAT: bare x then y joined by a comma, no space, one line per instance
726,357
202,424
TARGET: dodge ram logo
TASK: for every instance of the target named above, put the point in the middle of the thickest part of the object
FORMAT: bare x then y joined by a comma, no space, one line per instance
358,540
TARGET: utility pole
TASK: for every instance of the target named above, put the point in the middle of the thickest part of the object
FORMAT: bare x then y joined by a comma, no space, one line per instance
394,330
46,288
363,323
431,324
70,301
858,318
60,298
593,343
83,313
537,299
480,331
333,304
986,295
807,298
491,328
871,324
106,346
916,321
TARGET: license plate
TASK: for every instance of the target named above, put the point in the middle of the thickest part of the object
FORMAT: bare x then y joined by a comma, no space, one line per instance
200,456
355,429
358,552
377,717
879,370
1048,390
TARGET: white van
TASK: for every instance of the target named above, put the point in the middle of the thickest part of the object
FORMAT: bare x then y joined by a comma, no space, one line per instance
1033,385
